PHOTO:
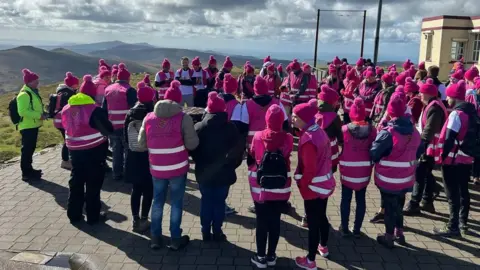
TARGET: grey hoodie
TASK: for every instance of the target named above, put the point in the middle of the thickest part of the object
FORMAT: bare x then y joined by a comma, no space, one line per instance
166,109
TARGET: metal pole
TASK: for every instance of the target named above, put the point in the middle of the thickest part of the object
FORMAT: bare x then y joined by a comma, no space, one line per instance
316,40
377,32
363,32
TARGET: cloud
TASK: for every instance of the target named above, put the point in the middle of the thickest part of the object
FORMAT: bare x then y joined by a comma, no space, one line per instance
280,20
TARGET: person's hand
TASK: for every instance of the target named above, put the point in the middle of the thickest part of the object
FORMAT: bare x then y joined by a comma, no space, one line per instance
43,117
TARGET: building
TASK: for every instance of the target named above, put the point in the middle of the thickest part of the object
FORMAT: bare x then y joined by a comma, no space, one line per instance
446,39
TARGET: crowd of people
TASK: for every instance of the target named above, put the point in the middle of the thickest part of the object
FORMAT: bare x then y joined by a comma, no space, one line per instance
397,126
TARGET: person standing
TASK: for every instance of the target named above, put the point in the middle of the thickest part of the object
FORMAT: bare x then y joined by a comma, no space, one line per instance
30,110
430,125
381,100
314,180
216,159
227,68
102,81
273,81
457,139
395,152
57,102
168,134
297,84
119,98
163,78
212,71
350,82
199,77
368,90
270,198
86,130
137,165
185,76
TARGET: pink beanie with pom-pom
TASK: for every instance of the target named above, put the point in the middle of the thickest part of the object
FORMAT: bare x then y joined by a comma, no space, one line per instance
328,95
306,111
29,76
145,93
71,80
357,110
457,90
88,87
215,104
212,60
429,88
228,63
173,92
230,84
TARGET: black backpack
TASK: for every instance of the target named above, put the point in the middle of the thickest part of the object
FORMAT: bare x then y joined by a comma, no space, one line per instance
272,171
58,101
13,109
471,142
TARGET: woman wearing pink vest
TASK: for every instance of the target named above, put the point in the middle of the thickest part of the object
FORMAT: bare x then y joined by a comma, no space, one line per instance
351,82
269,203
312,82
168,134
395,152
163,78
102,81
297,83
368,90
456,164
355,166
314,180
414,101
381,100
273,81
246,83
86,131
473,96
212,71
119,98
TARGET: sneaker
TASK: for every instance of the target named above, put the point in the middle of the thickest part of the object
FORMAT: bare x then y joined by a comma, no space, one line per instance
323,251
219,237
141,225
357,234
259,262
179,243
412,209
386,240
446,232
378,218
427,206
251,209
304,222
344,233
303,263
67,165
30,177
37,172
272,260
463,229
229,210
399,237
156,242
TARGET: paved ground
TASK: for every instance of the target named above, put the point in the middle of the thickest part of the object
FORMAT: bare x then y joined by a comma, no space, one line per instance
33,218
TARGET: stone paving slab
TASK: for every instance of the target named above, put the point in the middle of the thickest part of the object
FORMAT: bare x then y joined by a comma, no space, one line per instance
33,219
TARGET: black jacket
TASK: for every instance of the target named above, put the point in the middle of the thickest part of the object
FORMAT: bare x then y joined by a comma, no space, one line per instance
451,135
215,157
99,121
138,112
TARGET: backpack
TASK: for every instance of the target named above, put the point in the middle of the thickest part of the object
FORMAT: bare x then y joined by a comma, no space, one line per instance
471,142
133,130
13,109
272,171
58,101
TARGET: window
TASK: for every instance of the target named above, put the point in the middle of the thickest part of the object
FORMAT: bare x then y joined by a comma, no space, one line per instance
458,50
476,48
428,56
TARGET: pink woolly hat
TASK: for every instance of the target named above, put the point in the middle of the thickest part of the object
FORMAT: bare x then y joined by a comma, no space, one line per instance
295,65
351,75
369,74
266,59
477,83
165,63
102,63
173,92
215,104
379,71
458,75
337,61
357,110
332,70
196,61
260,86
387,78
146,79
359,62
29,76
230,84
71,80
104,72
400,79
88,87
349,67
471,73
421,65
457,90
412,71
271,67
406,65
114,72
306,68
249,69
274,118
429,88
123,74
228,63
328,95
306,111
212,60
400,91
411,86
280,68
396,107
145,94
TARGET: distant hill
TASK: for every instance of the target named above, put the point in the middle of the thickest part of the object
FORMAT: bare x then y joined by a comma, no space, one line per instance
49,65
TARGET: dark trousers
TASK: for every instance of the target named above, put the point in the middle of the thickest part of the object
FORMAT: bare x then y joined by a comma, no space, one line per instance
393,211
212,209
424,181
318,226
346,118
64,147
86,182
476,168
347,194
201,98
142,193
455,180
268,226
29,143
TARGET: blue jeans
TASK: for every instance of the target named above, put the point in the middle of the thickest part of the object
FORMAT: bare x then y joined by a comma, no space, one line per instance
347,195
212,210
119,151
177,191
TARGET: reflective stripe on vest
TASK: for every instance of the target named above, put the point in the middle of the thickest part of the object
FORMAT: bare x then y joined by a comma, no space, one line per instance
57,120
166,150
335,156
378,106
118,112
459,153
84,138
254,174
333,143
356,180
286,100
301,96
117,122
355,163
397,164
394,180
368,110
258,190
97,137
252,133
317,179
348,99
319,190
169,167
295,90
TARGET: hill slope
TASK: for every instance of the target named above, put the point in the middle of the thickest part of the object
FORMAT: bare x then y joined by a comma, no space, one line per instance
49,65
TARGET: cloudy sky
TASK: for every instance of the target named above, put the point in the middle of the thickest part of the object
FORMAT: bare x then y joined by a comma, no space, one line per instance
282,27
